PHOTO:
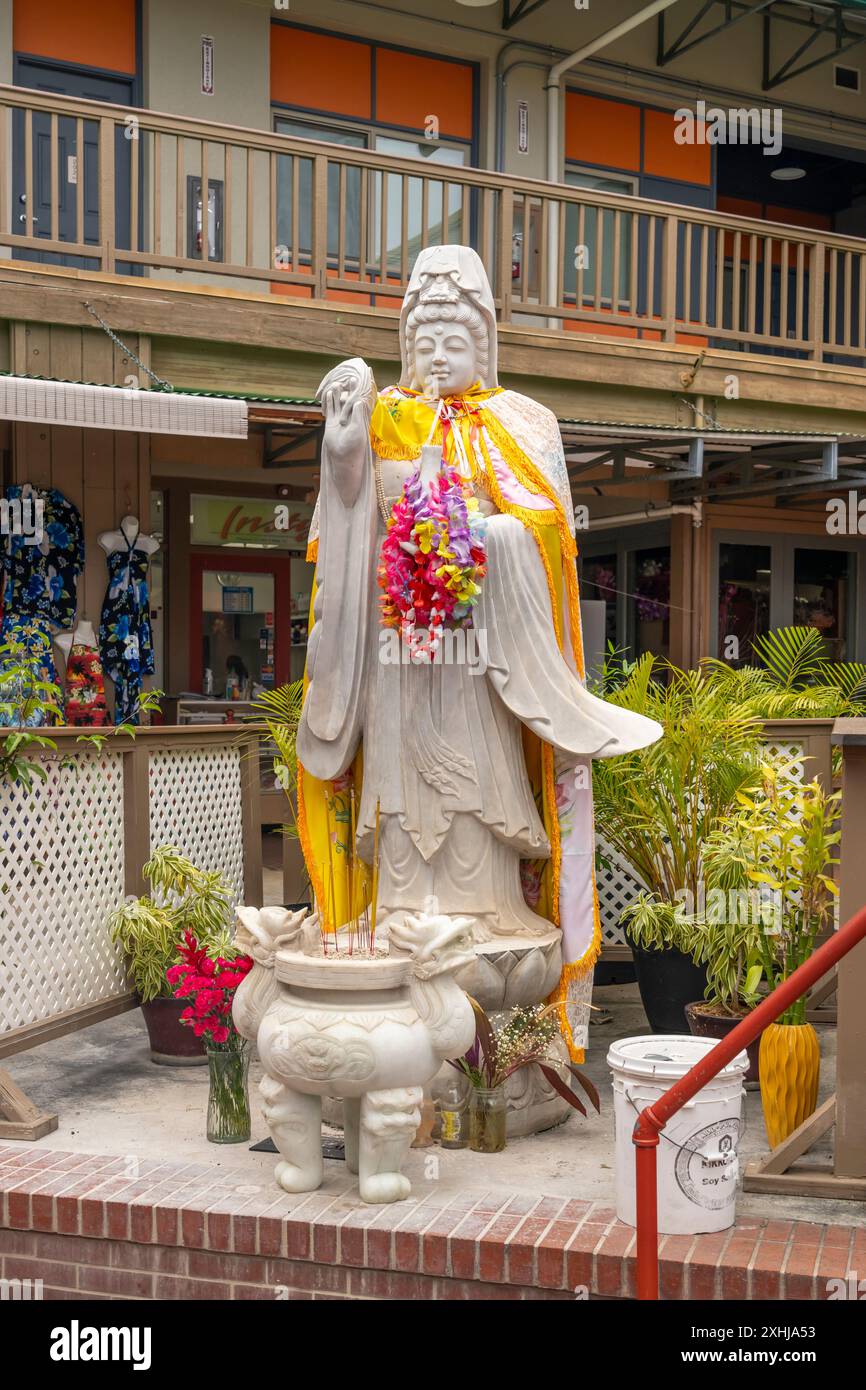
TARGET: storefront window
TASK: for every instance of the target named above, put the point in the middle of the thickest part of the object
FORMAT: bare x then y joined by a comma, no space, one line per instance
650,601
822,590
237,633
744,599
599,584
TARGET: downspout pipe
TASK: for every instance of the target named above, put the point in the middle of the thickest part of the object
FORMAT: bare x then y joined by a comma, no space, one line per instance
553,88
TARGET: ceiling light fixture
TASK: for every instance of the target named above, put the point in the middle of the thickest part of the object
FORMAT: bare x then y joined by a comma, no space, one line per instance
788,173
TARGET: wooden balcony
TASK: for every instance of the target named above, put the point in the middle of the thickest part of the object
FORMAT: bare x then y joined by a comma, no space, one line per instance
109,189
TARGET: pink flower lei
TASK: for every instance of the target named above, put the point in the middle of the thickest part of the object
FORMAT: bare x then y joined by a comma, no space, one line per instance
432,561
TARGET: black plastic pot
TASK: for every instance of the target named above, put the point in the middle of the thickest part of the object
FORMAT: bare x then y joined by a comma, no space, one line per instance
172,1043
668,981
704,1025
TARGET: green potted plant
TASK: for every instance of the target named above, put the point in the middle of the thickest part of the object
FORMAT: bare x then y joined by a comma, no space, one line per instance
656,808
150,929
781,839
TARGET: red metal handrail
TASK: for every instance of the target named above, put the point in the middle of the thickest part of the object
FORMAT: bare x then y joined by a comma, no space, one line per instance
652,1120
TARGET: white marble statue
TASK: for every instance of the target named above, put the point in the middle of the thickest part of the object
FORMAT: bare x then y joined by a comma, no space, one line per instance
477,761
372,1031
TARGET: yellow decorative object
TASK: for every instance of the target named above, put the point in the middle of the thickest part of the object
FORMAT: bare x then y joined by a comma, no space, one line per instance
790,1060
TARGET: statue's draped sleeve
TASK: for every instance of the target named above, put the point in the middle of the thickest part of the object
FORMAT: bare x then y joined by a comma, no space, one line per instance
331,723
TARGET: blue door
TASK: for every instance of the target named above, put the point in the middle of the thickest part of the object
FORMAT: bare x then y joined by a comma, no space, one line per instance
78,171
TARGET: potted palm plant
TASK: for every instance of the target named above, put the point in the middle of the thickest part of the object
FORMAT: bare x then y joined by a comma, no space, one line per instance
794,678
150,929
781,839
656,809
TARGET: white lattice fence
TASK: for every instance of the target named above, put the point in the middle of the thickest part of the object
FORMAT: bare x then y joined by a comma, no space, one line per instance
73,846
196,805
62,871
616,881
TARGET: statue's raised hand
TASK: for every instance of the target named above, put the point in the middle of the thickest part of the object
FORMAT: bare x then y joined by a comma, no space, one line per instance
347,395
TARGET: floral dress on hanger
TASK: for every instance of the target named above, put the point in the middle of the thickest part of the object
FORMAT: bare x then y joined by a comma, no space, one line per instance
39,594
125,640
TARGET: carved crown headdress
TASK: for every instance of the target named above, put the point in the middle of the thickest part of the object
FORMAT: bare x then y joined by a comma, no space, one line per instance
445,275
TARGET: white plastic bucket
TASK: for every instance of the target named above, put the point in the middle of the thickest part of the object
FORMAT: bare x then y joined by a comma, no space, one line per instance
698,1168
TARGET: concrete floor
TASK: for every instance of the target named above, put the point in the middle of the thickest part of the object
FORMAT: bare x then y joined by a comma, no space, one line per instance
112,1099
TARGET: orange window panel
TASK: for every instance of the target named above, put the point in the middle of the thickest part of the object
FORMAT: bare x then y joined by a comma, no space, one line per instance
602,132
742,207
320,72
410,87
664,158
92,33
799,217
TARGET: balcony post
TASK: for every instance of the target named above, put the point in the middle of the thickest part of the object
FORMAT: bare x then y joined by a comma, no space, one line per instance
504,249
816,301
669,279
107,200
320,226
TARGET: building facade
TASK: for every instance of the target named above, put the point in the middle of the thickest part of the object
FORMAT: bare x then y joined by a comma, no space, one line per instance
227,197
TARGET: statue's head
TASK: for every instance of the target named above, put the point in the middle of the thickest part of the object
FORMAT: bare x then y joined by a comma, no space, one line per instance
448,323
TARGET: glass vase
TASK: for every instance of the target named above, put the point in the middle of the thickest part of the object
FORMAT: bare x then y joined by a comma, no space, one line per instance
228,1102
454,1113
487,1115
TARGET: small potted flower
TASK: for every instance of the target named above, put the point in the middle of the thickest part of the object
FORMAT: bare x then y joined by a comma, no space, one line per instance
524,1038
149,929
208,979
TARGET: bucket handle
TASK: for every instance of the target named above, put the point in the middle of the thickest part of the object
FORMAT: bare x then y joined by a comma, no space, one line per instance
684,1148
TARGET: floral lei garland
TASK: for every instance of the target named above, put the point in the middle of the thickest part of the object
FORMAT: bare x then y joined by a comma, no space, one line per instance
433,559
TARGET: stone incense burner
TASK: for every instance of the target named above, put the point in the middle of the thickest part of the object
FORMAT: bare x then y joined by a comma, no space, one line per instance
372,1031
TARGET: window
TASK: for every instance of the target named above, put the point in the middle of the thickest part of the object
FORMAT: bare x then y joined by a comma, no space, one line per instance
443,224
291,222
379,97
598,229
598,584
822,596
214,218
344,204
744,600
770,581
632,575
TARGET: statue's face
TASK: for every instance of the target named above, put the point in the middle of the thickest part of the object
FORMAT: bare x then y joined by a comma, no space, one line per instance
446,360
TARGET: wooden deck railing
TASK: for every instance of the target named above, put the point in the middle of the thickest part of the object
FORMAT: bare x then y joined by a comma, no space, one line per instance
119,190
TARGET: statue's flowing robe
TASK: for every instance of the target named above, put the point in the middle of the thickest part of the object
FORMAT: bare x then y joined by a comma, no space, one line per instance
509,747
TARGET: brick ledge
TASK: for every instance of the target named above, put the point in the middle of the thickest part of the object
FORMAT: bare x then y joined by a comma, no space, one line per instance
190,1231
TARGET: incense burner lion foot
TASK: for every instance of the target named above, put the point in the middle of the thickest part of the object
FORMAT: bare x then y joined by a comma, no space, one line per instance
372,1031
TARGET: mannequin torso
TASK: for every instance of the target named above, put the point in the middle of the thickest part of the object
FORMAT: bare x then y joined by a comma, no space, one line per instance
127,537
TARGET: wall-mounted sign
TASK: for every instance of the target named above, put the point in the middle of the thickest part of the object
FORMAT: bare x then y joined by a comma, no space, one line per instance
523,127
206,66
238,598
253,522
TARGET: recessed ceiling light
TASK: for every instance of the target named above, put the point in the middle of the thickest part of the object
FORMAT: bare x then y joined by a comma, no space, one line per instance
788,174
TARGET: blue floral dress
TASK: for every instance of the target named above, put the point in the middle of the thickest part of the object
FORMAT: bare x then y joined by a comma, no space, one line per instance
39,593
125,640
